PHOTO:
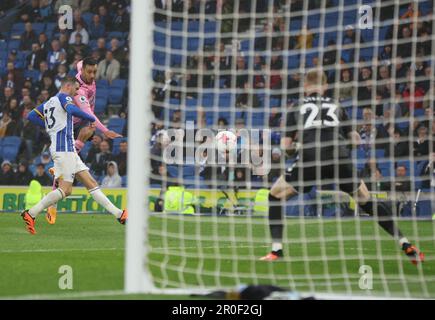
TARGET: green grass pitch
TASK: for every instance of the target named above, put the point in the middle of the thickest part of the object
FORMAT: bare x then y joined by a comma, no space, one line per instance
93,245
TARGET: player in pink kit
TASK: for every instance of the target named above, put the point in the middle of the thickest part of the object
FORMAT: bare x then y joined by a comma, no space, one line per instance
85,100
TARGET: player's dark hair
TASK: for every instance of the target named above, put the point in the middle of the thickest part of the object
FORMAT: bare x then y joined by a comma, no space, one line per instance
89,61
68,79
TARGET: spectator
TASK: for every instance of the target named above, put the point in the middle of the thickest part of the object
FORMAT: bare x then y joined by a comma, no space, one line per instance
399,145
8,95
104,16
421,145
8,127
401,180
47,84
385,55
108,69
121,158
7,177
17,77
31,13
14,110
95,148
118,52
29,133
112,178
82,31
28,37
99,165
62,72
78,47
346,86
404,48
304,39
35,57
54,54
413,101
23,175
41,176
43,43
101,48
121,20
330,55
96,28
44,159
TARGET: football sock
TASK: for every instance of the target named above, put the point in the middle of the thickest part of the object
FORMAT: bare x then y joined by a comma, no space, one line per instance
50,199
275,221
101,199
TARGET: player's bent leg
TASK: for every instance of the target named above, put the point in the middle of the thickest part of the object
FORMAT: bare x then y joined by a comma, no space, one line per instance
94,190
383,211
51,198
84,134
280,191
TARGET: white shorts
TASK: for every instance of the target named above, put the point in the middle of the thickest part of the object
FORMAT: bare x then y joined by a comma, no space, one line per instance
67,164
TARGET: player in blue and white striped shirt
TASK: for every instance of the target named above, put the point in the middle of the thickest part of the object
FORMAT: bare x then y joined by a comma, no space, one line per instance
56,116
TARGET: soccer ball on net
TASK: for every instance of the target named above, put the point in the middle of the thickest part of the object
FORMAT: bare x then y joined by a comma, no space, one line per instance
226,141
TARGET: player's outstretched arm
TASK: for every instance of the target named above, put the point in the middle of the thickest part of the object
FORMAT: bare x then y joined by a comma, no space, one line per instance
86,107
36,116
76,112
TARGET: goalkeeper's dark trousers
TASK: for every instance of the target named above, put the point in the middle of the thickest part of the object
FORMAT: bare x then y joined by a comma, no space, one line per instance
383,213
275,218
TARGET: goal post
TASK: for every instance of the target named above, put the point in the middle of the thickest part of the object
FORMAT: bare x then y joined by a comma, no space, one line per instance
137,279
201,67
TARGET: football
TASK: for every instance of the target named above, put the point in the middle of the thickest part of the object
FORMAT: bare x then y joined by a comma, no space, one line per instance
226,141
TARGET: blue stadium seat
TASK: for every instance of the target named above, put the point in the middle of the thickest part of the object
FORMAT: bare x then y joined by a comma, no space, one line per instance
115,95
34,74
102,84
210,26
314,21
172,171
159,57
100,104
115,34
124,181
191,102
49,28
159,39
116,124
11,145
177,26
188,171
13,44
38,27
207,100
176,60
118,83
16,30
225,100
193,26
177,42
87,17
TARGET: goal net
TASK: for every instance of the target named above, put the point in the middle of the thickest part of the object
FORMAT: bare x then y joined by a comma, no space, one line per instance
240,66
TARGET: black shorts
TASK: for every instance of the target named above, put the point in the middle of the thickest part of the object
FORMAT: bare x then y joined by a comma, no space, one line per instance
304,177
79,126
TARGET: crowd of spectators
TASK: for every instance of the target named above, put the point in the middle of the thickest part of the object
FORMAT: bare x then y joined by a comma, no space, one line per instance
31,72
382,88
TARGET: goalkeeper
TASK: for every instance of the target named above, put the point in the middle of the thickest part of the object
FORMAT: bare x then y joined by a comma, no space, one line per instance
322,128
